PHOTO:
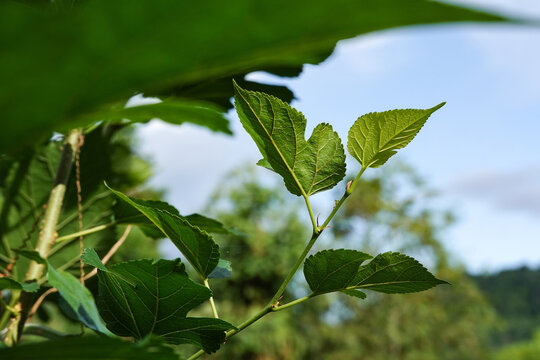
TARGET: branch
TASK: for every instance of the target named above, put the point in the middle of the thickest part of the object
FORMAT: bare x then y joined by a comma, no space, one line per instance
47,235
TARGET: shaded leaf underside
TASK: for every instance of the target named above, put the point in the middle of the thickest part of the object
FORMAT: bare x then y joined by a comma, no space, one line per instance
142,297
391,272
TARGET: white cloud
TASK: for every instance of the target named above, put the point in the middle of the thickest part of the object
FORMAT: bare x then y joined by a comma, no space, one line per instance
515,191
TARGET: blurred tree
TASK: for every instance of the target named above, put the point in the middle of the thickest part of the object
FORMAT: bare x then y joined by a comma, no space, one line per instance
515,295
450,322
525,350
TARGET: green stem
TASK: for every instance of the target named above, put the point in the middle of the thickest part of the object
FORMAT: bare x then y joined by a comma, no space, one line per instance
292,303
313,221
211,300
4,258
273,305
83,233
245,324
47,234
294,269
7,314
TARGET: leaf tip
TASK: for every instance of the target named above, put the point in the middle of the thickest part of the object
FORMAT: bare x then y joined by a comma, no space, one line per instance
437,107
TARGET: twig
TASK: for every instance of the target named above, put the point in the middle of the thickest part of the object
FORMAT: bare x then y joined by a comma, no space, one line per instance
92,273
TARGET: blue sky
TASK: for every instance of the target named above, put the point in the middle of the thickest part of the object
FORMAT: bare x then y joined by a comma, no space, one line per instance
480,151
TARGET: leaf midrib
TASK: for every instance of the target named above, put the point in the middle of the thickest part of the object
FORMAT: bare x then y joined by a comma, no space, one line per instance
382,147
274,144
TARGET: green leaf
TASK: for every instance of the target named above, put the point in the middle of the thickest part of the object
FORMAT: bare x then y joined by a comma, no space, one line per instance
392,273
174,111
90,257
341,270
158,303
355,293
307,167
78,297
91,348
8,283
32,255
207,224
196,245
375,137
223,270
127,214
332,270
121,48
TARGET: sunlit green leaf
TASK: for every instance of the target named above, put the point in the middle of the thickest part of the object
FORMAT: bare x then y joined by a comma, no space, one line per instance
196,245
307,167
375,137
156,301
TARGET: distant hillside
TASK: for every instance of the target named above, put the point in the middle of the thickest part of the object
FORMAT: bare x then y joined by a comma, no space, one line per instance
515,294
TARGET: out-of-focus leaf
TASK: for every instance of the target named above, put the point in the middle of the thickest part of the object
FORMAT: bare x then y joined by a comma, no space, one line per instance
156,301
223,270
65,64
196,245
8,283
174,111
32,255
78,297
91,348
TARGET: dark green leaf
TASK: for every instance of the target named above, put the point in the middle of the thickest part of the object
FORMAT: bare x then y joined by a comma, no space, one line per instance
375,137
223,270
174,111
8,283
78,297
122,47
392,273
341,270
207,224
158,303
332,270
31,255
196,245
90,348
307,167
355,293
